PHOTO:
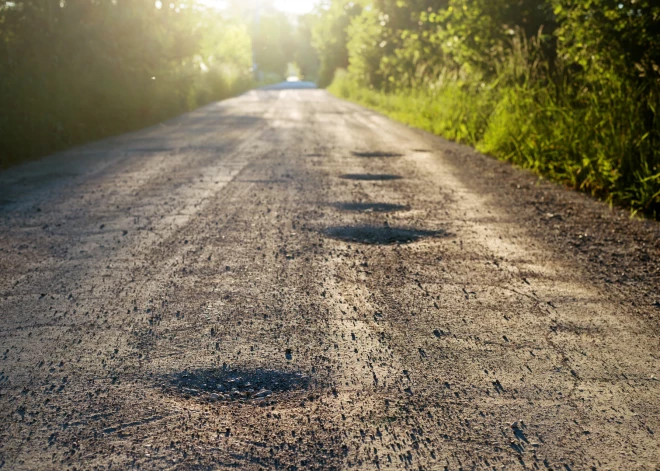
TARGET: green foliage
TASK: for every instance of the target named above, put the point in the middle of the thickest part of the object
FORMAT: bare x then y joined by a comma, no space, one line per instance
365,46
306,57
604,35
567,88
77,70
329,37
274,43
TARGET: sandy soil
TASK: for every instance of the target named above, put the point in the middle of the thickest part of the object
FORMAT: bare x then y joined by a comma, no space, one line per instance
288,281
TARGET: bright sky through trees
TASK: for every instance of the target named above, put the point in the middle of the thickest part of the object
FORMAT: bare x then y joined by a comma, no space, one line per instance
295,6
298,7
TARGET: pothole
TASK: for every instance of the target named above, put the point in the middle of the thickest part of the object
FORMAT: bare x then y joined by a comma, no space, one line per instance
384,235
236,384
377,154
371,207
370,176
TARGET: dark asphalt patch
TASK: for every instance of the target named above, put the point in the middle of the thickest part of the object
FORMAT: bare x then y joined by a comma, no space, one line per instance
148,150
371,207
384,235
370,176
377,154
235,384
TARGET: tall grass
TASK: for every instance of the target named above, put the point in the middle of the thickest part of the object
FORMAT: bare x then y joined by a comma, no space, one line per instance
589,135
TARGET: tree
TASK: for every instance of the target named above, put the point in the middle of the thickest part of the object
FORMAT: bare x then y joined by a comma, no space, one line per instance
330,37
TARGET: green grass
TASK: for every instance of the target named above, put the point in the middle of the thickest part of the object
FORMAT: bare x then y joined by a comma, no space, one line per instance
591,139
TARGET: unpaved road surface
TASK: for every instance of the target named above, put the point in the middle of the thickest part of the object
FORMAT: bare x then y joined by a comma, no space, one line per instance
288,281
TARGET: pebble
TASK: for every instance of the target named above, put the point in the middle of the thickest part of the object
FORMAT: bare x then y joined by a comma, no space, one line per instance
263,393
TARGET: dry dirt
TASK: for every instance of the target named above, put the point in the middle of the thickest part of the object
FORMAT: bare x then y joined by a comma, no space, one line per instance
288,281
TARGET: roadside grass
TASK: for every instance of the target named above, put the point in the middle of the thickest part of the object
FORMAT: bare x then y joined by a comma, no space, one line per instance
590,138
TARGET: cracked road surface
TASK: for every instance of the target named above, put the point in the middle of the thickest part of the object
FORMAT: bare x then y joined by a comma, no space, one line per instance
285,280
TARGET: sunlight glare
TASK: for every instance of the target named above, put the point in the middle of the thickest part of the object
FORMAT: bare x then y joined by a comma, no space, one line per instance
296,7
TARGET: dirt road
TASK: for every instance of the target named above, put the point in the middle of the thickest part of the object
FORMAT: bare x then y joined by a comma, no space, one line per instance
288,281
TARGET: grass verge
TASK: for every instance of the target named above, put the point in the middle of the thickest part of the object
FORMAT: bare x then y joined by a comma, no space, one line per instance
591,139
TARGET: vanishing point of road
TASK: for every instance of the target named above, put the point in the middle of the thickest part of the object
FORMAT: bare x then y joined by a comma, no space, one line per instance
285,280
